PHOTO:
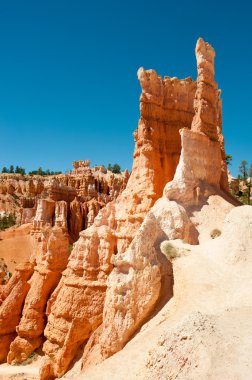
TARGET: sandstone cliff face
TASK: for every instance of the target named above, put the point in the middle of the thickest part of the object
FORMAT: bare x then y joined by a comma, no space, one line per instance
166,106
196,334
12,296
116,275
53,215
47,273
204,173
34,282
207,325
207,104
177,215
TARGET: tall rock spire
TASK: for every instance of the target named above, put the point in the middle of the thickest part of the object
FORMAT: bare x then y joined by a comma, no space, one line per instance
207,94
208,104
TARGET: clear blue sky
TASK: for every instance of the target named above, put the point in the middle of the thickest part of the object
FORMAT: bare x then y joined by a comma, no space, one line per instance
68,85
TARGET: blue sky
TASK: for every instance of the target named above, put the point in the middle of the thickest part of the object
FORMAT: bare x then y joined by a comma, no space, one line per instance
68,84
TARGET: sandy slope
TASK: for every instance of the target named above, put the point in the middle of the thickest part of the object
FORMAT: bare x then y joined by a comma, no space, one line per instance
28,371
205,331
22,372
15,245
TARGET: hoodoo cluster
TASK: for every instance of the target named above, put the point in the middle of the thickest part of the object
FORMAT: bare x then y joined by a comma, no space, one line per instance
116,275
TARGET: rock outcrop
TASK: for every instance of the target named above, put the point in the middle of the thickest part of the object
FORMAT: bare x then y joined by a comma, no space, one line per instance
199,174
19,194
207,325
3,272
34,282
47,273
166,106
12,296
116,276
53,209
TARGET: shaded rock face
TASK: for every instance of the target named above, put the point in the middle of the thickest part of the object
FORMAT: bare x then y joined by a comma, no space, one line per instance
82,216
3,272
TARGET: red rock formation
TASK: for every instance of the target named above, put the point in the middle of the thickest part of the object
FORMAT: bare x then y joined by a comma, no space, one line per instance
169,109
59,192
207,104
166,106
12,297
156,155
82,215
128,303
76,223
20,194
80,167
44,214
3,273
50,255
47,273
205,173
27,215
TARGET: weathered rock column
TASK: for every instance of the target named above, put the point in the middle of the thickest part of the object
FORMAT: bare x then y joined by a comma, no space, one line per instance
47,273
11,303
77,307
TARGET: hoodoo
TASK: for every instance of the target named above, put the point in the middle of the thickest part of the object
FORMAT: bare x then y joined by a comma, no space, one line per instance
200,174
116,276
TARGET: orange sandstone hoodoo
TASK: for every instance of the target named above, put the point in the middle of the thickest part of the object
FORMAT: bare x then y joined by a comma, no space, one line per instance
142,279
82,289
101,297
167,106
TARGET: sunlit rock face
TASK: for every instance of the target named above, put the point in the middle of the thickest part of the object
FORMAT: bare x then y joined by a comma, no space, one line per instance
91,187
102,291
202,169
193,170
12,296
165,107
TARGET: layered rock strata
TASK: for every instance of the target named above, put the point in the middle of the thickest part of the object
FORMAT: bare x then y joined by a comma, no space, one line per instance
47,273
177,214
19,194
166,106
12,296
207,324
208,104
54,214
48,260
116,275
